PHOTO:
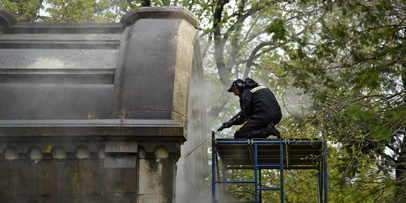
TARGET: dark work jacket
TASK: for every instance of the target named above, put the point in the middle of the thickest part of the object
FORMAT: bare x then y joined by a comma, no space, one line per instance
258,100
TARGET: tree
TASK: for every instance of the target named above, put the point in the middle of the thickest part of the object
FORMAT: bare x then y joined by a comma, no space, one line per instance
241,36
23,10
355,73
250,39
86,10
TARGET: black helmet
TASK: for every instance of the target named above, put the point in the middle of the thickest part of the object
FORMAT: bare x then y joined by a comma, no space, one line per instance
237,83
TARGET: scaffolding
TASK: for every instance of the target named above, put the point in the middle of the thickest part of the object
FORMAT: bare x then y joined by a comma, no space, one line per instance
268,154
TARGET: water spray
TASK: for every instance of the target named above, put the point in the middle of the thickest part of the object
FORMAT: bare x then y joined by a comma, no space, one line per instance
212,135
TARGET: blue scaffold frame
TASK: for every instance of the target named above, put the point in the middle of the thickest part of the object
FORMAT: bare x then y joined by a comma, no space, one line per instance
285,145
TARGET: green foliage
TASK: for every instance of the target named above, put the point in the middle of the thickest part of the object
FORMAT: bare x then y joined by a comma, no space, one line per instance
277,28
23,10
302,185
357,83
355,178
83,10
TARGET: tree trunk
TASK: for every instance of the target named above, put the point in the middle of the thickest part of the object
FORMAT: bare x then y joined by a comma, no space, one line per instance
400,168
146,3
400,192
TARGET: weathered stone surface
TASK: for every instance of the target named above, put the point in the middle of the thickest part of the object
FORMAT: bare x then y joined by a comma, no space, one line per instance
119,180
120,197
156,179
19,61
124,101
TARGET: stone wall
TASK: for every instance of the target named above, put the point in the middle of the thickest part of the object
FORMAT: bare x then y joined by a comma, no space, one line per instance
97,112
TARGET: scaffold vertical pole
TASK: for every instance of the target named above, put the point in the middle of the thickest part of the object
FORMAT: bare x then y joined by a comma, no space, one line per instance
325,170
213,167
282,184
256,172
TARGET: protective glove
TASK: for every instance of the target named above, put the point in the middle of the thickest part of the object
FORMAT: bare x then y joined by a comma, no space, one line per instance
225,125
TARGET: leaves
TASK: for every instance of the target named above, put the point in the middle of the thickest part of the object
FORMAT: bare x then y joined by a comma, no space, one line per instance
366,94
277,28
24,10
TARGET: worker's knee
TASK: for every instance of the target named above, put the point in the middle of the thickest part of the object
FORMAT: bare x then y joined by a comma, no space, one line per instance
261,133
248,134
243,134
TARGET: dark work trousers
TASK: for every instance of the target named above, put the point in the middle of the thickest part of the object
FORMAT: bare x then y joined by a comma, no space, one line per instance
255,127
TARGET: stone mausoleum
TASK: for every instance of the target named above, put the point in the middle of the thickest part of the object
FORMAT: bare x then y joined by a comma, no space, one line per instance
102,112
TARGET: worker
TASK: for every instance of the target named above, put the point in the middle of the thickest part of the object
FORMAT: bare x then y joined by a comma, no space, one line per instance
260,111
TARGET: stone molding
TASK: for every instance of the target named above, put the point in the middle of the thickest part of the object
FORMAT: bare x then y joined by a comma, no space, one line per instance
159,13
90,136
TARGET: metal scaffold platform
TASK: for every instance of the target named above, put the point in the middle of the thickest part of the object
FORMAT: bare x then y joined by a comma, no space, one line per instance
267,154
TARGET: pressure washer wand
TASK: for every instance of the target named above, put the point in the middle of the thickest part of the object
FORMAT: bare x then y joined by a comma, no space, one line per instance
213,132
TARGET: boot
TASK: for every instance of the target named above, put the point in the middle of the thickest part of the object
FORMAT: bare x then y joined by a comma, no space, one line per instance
273,130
